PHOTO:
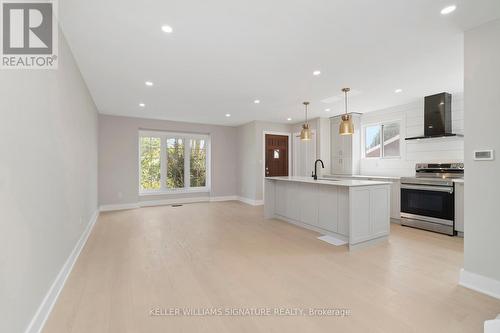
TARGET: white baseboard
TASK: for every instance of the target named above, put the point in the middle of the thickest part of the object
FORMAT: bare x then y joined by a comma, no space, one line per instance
251,201
492,326
176,201
166,202
43,311
480,283
110,208
226,198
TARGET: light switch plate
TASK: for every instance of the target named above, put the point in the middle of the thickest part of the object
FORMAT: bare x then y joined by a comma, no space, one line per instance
484,155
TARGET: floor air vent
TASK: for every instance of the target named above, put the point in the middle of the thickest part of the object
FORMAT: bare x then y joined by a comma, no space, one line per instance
176,205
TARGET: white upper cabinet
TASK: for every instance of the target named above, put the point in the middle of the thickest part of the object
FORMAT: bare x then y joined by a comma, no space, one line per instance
345,149
304,155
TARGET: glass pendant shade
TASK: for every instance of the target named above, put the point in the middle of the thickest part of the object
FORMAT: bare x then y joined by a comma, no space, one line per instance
346,126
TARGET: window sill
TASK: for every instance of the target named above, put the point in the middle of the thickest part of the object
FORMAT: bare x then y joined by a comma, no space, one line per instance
175,191
382,158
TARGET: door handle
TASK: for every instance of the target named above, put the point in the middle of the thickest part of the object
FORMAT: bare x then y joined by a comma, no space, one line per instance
428,188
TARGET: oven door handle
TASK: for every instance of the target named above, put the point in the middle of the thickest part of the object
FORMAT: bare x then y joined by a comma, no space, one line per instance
428,188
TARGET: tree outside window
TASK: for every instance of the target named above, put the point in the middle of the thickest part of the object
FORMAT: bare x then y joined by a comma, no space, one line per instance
171,162
150,149
175,163
198,163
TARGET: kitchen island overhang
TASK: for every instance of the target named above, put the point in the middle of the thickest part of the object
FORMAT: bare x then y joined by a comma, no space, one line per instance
355,211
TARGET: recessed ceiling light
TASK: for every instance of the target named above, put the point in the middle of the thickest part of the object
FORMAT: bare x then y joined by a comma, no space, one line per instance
316,73
327,110
399,90
289,119
447,10
257,101
149,83
228,115
167,29
142,105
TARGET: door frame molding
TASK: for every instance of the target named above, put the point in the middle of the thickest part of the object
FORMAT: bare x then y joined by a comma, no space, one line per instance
289,135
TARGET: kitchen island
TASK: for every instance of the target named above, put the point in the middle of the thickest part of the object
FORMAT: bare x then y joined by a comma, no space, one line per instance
355,211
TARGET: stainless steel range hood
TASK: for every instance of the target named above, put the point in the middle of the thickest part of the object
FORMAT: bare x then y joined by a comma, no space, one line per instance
437,117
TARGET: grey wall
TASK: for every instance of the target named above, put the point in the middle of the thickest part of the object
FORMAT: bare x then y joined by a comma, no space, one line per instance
48,180
247,164
482,117
118,157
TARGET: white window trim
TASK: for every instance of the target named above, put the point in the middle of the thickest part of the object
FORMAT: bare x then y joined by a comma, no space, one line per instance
381,125
163,136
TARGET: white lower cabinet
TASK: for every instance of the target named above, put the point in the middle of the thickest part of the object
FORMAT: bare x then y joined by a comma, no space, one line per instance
324,207
361,212
343,211
328,208
358,214
308,204
286,200
280,198
395,192
370,208
378,201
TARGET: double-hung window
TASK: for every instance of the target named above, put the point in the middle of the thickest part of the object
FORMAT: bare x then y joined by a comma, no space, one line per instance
382,140
173,162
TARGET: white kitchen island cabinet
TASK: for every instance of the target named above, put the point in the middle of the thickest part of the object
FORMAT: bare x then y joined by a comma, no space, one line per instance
355,211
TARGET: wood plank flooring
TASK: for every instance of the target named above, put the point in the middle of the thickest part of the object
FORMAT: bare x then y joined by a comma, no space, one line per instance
227,256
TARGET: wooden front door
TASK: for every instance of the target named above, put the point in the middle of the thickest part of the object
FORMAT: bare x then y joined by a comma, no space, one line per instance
276,155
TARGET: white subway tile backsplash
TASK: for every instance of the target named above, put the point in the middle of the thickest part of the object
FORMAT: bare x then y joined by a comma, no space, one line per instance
429,150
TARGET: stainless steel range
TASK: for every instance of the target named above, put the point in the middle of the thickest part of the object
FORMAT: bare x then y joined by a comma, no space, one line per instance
428,199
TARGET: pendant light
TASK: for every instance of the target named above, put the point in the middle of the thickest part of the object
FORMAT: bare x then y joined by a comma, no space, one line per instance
346,126
305,134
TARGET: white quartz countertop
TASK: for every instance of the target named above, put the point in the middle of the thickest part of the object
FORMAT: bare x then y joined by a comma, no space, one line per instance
330,181
461,181
363,177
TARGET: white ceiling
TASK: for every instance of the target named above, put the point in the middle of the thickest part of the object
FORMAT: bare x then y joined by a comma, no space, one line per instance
224,54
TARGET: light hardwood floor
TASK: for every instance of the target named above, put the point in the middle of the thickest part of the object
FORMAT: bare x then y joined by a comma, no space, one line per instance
212,255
